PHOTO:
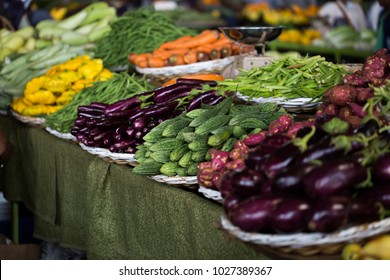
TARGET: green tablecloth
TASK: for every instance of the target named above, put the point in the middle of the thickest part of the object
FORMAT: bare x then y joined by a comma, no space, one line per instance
86,203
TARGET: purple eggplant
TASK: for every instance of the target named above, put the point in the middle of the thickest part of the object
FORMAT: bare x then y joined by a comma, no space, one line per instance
273,142
328,214
138,134
102,135
171,92
136,114
94,131
123,105
81,137
247,182
98,105
319,135
226,183
254,214
152,124
159,109
290,180
122,144
107,140
130,131
140,123
74,131
369,128
199,99
231,201
214,100
79,122
280,159
91,115
121,129
118,137
89,109
111,122
381,169
123,113
333,178
323,151
290,215
256,158
363,211
196,82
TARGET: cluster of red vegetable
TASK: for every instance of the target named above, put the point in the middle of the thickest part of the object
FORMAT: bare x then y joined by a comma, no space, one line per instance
348,99
310,183
211,172
121,126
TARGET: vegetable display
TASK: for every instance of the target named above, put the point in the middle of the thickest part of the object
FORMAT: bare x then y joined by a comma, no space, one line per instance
287,78
139,31
15,74
120,86
46,94
121,126
189,139
208,45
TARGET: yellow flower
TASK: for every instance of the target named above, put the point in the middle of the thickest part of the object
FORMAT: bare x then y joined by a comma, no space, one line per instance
41,97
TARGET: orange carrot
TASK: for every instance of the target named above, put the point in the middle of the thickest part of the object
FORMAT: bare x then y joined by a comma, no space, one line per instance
205,76
155,62
190,57
176,59
165,54
143,64
175,43
206,37
136,58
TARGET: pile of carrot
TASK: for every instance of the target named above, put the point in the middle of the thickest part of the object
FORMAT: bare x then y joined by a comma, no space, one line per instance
208,45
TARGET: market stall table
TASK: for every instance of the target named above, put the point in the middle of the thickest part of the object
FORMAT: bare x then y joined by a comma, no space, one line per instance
84,202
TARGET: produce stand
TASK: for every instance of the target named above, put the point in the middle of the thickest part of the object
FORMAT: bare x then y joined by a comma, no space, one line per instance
337,54
85,203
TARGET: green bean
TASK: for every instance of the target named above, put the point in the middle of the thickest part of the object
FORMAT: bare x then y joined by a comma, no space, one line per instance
289,77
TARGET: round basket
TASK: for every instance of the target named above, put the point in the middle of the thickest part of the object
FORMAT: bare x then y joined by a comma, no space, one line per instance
210,66
185,181
66,136
105,154
211,194
295,105
308,244
33,121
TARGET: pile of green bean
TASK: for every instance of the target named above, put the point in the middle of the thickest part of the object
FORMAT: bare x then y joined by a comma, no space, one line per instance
303,77
140,31
119,87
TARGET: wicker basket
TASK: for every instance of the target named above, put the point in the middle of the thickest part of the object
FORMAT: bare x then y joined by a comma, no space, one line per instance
32,121
179,181
105,154
211,194
308,245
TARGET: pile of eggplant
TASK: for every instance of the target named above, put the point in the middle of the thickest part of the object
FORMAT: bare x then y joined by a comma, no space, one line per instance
329,177
121,126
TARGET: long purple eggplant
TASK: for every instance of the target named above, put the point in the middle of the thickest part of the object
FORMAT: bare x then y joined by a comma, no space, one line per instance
91,114
122,144
247,182
159,109
111,122
196,82
90,109
214,100
165,94
99,105
123,105
123,113
199,99
334,177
